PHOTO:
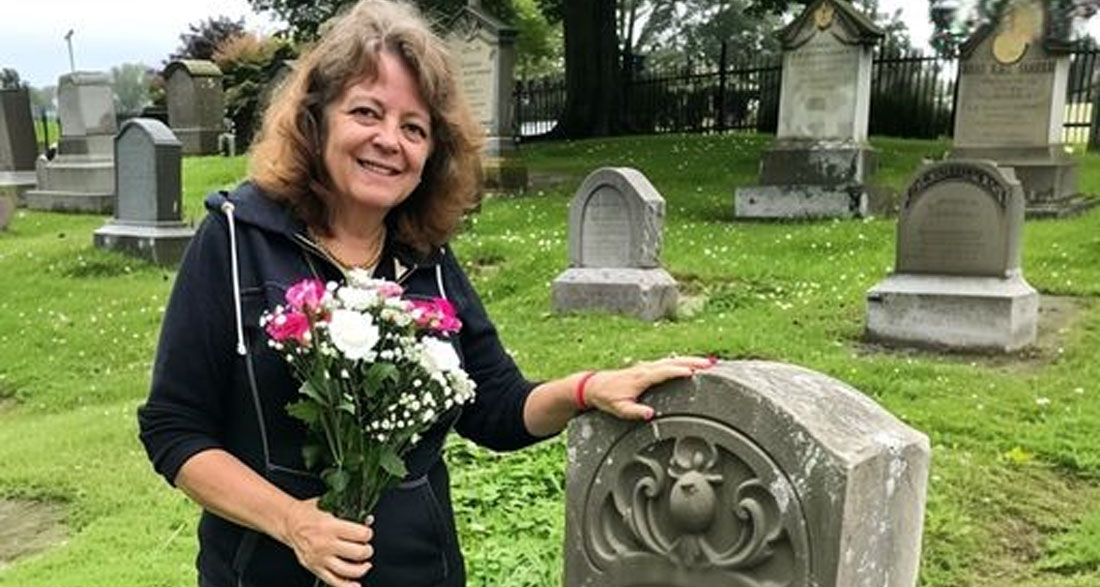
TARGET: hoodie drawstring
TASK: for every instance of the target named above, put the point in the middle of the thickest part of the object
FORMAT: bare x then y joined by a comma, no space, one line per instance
228,209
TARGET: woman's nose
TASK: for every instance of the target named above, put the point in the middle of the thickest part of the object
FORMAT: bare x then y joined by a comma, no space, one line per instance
386,136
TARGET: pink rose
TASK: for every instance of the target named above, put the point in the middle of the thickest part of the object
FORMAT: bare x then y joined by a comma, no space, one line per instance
306,295
289,325
389,289
436,314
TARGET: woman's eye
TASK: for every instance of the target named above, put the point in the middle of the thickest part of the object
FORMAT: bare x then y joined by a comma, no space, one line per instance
364,112
416,130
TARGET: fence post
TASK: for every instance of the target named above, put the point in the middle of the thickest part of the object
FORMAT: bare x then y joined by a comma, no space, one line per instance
1094,116
722,87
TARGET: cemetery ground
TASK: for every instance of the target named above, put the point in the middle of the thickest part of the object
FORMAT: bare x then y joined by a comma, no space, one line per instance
1014,492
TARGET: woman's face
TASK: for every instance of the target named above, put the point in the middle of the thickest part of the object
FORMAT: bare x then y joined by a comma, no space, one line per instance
378,138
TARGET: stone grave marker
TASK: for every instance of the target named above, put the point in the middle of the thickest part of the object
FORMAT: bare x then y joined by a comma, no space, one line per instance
1011,106
81,177
196,104
18,146
616,221
751,473
485,50
820,162
147,220
957,282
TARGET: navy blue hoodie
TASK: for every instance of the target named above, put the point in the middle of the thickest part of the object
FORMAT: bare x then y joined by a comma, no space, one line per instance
216,384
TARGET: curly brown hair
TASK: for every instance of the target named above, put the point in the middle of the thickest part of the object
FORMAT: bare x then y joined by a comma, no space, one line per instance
286,160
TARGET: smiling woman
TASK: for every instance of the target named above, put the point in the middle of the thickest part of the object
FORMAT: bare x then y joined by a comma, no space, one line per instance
368,157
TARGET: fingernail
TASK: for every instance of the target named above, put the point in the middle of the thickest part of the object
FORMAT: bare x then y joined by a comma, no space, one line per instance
649,415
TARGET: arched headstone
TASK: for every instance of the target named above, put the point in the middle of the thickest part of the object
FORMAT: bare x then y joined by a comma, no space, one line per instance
957,282
196,104
615,223
147,220
752,473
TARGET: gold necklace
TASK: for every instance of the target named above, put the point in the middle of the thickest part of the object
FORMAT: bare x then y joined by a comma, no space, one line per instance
343,263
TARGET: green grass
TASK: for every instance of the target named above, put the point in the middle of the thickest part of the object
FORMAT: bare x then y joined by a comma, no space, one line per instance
1014,497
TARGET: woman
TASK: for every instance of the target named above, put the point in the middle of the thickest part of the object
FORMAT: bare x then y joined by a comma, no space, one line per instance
367,159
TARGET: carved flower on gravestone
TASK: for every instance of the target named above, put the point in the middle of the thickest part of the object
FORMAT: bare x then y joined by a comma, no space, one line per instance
694,502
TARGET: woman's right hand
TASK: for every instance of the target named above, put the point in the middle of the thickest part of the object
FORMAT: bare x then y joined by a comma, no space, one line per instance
335,550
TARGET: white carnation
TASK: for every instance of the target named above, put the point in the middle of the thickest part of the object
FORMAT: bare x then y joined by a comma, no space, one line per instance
353,333
355,298
438,356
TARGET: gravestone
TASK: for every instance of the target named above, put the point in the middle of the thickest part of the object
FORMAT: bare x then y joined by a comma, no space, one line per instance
820,162
196,104
485,50
615,223
81,177
1011,107
957,282
7,207
147,220
752,473
18,146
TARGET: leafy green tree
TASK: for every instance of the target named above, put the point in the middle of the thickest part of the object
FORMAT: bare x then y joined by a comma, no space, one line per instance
953,25
305,17
9,78
204,37
130,85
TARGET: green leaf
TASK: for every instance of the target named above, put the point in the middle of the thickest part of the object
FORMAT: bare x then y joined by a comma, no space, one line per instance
335,479
312,455
309,390
379,373
306,411
391,463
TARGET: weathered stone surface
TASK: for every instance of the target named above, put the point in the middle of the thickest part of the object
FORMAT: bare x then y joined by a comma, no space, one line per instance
957,282
18,146
1011,107
15,184
961,218
7,208
823,111
196,104
753,474
81,177
616,221
147,213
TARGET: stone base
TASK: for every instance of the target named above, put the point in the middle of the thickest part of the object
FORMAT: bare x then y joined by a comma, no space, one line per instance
77,174
1048,176
953,312
816,162
504,174
85,203
198,141
162,243
800,201
647,294
16,184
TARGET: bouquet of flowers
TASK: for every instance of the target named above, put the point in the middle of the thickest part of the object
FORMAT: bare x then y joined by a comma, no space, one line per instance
376,371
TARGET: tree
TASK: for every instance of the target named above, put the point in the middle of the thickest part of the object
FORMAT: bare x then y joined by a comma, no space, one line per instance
130,85
204,37
953,25
9,78
305,17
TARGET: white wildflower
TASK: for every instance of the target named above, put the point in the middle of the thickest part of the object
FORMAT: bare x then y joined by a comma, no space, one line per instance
355,298
353,333
438,356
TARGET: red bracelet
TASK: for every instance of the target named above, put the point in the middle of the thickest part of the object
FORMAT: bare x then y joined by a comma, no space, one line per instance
578,391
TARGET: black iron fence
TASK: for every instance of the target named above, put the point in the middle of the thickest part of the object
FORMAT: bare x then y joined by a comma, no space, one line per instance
912,96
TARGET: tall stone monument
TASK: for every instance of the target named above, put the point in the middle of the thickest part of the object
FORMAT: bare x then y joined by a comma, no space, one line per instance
81,178
485,50
196,104
752,473
616,220
147,220
18,146
1011,106
820,162
957,282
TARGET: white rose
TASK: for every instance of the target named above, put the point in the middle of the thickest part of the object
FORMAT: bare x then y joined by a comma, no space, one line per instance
438,356
353,333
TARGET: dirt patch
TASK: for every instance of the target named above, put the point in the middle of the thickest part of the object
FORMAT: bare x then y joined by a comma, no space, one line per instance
27,527
1058,317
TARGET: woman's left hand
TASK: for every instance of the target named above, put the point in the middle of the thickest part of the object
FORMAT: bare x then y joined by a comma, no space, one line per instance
616,392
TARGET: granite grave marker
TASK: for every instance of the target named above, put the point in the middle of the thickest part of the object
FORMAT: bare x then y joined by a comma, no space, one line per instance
820,162
196,104
957,282
147,220
18,146
616,221
751,473
81,177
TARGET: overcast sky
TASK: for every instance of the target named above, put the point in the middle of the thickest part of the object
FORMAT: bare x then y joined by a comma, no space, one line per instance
110,32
